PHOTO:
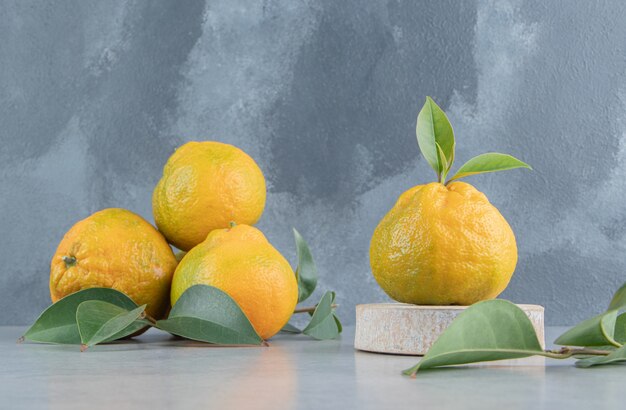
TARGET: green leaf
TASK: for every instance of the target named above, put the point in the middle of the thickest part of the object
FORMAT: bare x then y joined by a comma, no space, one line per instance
306,272
489,162
619,299
620,329
600,330
208,314
324,324
618,355
133,328
434,128
57,324
596,331
486,331
289,328
98,321
443,161
338,323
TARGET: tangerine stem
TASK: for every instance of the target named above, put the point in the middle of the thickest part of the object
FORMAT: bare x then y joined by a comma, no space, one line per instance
69,261
310,309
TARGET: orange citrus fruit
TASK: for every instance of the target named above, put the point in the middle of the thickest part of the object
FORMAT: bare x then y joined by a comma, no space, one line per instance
205,186
241,262
443,245
115,248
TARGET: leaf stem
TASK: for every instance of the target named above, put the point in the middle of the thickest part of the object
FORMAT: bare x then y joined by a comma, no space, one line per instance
566,352
149,318
311,309
263,344
563,353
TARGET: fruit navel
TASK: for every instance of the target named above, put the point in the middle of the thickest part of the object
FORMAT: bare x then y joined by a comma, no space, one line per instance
69,261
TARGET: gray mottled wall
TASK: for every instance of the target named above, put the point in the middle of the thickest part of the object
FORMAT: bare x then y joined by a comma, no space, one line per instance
94,96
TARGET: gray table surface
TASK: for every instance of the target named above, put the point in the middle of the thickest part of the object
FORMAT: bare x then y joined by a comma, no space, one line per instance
156,371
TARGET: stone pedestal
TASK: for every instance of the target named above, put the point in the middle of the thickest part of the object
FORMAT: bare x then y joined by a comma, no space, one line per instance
399,328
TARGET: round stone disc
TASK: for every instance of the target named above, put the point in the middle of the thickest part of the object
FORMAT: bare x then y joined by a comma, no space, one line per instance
399,328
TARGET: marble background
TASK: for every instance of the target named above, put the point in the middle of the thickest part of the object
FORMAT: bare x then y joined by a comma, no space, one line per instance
95,95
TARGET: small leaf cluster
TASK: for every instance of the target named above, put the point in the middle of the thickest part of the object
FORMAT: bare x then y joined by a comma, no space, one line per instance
435,138
100,315
499,330
202,313
324,323
72,320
